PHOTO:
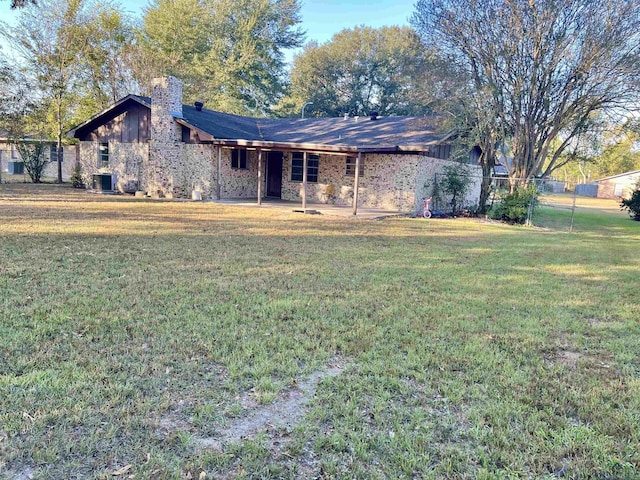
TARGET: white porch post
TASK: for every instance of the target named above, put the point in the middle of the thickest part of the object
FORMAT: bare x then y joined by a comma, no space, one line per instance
305,158
259,177
356,183
218,168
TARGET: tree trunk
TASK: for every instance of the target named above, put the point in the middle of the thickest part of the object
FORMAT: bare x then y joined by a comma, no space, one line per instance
485,189
487,161
59,143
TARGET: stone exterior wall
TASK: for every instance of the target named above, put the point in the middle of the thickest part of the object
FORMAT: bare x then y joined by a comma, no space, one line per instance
627,184
127,161
240,183
390,181
165,147
196,169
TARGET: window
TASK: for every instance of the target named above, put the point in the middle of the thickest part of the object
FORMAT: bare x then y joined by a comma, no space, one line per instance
618,190
297,167
103,155
351,166
53,154
239,159
14,153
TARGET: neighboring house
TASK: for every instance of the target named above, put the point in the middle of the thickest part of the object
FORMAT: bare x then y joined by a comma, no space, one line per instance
165,148
11,162
617,186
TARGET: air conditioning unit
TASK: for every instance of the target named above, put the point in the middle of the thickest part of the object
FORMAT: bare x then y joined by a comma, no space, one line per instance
104,182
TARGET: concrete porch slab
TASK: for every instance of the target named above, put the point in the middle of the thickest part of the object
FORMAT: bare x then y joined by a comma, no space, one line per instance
312,208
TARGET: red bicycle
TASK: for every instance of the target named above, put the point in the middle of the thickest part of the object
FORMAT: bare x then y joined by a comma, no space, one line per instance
426,210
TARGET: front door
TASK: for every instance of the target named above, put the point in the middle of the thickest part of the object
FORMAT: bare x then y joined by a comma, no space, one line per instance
274,174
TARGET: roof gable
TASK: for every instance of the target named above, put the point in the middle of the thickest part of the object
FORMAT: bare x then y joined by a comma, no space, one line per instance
109,114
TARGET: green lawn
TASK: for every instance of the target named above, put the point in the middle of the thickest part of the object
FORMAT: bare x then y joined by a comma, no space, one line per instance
143,337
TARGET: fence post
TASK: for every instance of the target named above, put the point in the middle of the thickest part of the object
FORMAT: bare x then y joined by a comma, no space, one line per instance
573,208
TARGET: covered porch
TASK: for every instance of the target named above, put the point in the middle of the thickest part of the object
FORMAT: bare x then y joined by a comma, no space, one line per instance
311,208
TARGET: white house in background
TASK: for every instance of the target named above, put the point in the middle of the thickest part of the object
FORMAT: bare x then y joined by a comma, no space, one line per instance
168,149
11,162
618,186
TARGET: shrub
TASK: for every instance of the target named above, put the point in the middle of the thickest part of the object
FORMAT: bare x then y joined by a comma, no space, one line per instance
632,204
455,184
76,178
514,207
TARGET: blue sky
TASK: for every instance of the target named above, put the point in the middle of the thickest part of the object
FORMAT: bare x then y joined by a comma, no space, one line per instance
320,18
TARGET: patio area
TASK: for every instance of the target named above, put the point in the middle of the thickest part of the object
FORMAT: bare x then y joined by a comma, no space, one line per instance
312,208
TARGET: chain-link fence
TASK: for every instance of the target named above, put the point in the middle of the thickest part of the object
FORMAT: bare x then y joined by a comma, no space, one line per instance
557,205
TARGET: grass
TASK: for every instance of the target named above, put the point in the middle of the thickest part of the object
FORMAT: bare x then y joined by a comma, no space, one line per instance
24,178
132,328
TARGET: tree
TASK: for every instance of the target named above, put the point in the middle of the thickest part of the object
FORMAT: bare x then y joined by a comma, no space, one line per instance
546,67
21,3
32,154
632,204
22,120
69,50
229,53
618,157
455,183
361,70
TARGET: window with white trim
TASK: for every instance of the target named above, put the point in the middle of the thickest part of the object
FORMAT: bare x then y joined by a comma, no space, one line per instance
297,167
53,153
103,155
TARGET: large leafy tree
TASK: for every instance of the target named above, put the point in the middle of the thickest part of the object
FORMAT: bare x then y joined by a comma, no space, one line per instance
68,50
545,69
362,70
229,53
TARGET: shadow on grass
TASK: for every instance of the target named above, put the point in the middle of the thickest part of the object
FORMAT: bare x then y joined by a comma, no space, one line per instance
458,334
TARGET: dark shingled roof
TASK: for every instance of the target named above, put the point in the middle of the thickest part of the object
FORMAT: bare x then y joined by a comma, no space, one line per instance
338,131
384,134
222,125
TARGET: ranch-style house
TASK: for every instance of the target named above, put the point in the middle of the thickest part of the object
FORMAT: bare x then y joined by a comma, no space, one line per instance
167,149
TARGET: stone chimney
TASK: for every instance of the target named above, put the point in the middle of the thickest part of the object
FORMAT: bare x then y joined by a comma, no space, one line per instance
166,135
166,103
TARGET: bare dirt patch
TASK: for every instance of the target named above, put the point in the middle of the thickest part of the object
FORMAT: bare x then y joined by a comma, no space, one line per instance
569,358
285,413
573,359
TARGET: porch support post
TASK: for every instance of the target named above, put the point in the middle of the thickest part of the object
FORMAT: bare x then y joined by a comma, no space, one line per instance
356,183
259,177
305,158
218,168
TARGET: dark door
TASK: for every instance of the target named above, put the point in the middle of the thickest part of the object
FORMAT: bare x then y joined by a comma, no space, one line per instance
274,174
106,183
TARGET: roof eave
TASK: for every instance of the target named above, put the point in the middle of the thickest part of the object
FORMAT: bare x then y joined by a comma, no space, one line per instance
633,172
206,137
